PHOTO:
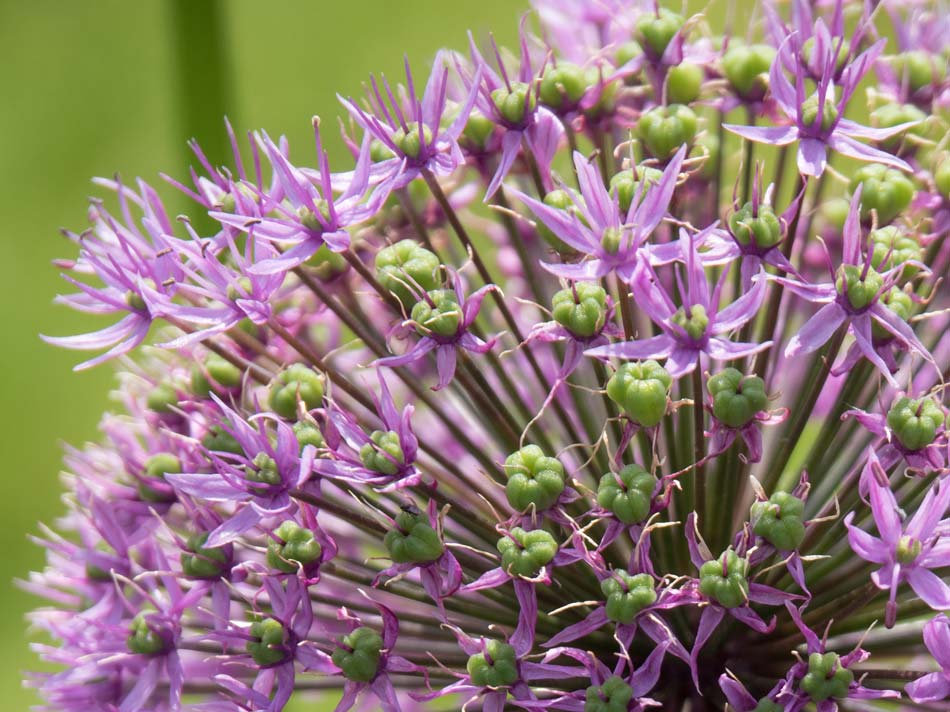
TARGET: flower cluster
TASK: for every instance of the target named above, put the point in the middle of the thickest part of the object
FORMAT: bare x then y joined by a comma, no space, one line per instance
516,410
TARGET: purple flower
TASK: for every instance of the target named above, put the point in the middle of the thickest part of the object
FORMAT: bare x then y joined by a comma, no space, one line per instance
905,550
817,121
138,270
853,297
257,482
935,686
446,346
412,128
610,240
698,329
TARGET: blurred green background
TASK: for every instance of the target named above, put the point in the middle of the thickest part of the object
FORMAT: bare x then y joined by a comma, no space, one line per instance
108,86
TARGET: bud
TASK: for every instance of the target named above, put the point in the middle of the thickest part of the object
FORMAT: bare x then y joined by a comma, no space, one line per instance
525,553
413,541
581,308
627,494
533,479
725,580
627,595
663,129
779,521
297,383
641,389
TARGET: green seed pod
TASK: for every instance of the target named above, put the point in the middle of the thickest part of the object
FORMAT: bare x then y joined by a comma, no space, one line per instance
899,302
563,86
808,50
642,390
221,372
886,191
410,142
614,695
561,200
407,269
915,422
861,287
496,667
627,51
262,471
890,115
726,579
143,639
767,705
384,453
627,595
326,264
298,383
525,553
515,103
413,541
683,83
581,309
217,439
759,227
779,521
438,314
746,68
201,562
736,398
663,129
695,323
809,112
268,642
358,655
162,398
627,183
891,246
918,67
826,677
308,434
627,494
156,467
293,547
908,549
533,479
656,30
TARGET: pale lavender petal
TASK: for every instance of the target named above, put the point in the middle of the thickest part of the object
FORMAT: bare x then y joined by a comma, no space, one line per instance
817,330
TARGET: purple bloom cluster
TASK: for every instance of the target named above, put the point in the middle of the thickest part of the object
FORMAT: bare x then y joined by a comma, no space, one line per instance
515,411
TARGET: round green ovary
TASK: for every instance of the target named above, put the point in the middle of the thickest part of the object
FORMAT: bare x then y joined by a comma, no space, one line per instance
298,383
826,678
627,183
267,643
725,580
294,546
915,422
358,655
438,314
525,553
614,695
760,227
533,479
809,113
656,30
201,562
736,398
407,270
694,322
627,494
411,141
779,521
156,467
142,639
514,104
746,68
262,471
221,372
663,129
581,309
892,247
413,541
900,303
860,285
886,192
563,86
641,389
496,667
384,453
627,595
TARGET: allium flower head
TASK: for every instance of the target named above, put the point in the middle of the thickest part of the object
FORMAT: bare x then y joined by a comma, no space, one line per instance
585,444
